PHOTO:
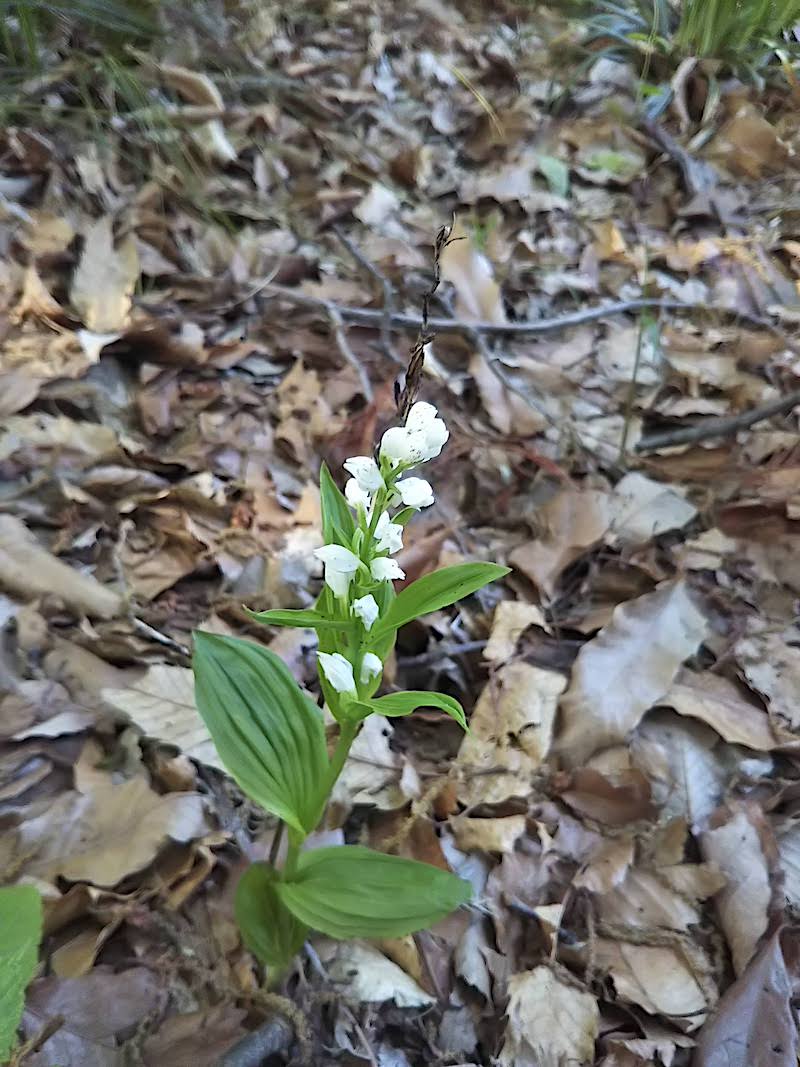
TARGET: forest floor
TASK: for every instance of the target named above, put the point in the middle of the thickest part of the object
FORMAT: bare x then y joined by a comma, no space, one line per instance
209,288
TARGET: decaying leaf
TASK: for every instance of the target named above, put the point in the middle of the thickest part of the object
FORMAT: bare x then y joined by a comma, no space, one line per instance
643,509
104,280
659,979
365,974
724,706
627,669
550,1021
162,705
511,619
510,734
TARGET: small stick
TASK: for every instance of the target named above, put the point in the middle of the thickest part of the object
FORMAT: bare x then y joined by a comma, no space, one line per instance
344,347
388,292
724,426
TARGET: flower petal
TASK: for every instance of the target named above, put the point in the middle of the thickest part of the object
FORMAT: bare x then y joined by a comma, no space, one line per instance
371,667
366,607
384,569
415,492
365,471
338,671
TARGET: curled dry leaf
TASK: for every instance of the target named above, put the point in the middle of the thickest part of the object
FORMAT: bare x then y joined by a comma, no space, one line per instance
28,570
627,669
489,835
103,284
643,509
550,1021
510,734
772,667
724,706
511,619
109,833
366,975
162,704
743,904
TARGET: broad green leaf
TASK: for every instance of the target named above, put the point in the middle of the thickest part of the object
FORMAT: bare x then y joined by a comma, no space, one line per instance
352,891
268,928
20,933
268,733
404,703
311,620
338,525
436,591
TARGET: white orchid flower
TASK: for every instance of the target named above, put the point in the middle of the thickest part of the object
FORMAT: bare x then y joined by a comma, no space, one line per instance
384,569
415,492
340,566
422,438
388,534
356,496
371,667
366,607
366,472
338,671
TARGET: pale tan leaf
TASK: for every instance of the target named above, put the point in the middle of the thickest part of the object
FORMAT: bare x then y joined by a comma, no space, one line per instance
573,521
103,836
162,705
617,356
511,619
478,296
377,206
743,904
772,667
193,86
607,867
510,734
28,570
489,835
655,977
365,974
550,1022
724,706
372,772
103,283
643,508
44,431
627,669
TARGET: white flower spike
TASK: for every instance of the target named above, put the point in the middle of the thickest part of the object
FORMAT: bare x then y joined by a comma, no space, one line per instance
422,438
388,534
338,671
384,569
366,607
415,492
371,667
365,471
340,566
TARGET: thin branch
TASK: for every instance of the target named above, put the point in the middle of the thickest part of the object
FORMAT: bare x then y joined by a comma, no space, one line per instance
388,293
723,426
335,317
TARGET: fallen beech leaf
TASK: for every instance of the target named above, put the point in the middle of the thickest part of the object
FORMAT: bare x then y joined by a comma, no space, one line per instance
550,1021
617,355
373,770
613,803
607,867
162,704
754,1024
627,669
573,521
511,619
81,439
199,1038
510,733
109,833
29,570
365,974
377,205
656,978
643,509
743,904
96,1008
478,297
489,835
103,284
772,667
724,706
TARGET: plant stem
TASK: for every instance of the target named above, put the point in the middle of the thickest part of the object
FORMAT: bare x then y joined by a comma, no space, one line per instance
292,853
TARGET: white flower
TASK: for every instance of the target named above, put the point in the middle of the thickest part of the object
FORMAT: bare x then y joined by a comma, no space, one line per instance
384,569
415,492
366,607
338,671
371,667
340,566
356,496
388,534
422,438
365,471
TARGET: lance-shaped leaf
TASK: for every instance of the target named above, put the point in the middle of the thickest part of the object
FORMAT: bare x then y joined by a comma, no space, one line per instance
436,591
338,525
268,928
20,931
396,704
310,620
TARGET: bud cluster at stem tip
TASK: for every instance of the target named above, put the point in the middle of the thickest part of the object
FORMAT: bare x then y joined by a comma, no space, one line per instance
383,501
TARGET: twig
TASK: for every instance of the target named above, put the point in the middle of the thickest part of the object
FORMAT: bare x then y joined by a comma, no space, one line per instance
386,286
723,426
147,630
368,317
344,347
275,1035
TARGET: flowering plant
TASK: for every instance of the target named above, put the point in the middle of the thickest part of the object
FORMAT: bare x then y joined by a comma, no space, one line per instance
270,734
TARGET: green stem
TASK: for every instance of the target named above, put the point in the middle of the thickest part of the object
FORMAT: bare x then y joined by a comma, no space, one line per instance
292,854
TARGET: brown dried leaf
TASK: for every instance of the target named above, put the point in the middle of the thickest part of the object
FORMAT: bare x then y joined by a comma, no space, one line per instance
510,733
657,978
772,667
627,669
643,509
478,296
511,619
200,1038
724,706
743,904
103,284
550,1021
488,835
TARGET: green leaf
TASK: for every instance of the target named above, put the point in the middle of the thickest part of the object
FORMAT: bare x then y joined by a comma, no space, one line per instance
556,173
395,704
268,733
354,892
20,933
436,591
338,525
311,620
268,928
